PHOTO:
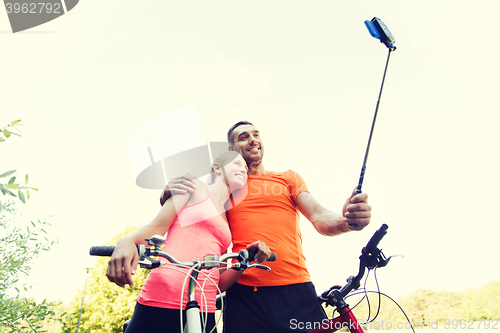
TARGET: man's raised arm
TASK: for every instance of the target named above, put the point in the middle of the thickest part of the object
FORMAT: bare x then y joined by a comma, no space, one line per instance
356,214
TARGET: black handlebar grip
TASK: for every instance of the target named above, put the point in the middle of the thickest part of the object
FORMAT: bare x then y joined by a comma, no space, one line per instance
102,251
377,236
251,256
107,251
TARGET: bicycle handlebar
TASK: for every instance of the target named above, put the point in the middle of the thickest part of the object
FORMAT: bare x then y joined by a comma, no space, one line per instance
107,251
371,257
377,236
251,255
104,251
242,256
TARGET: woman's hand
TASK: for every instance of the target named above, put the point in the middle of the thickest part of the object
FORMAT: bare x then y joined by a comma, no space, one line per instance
123,263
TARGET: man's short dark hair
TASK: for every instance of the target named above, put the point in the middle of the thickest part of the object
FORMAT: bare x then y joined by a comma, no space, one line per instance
230,132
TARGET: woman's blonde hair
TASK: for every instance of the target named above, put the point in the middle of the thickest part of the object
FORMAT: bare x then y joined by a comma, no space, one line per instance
221,161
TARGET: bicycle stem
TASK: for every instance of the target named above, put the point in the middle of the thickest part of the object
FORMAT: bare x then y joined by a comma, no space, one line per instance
353,282
192,281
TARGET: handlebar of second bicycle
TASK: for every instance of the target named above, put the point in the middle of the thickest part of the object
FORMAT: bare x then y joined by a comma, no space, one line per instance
369,252
250,255
376,238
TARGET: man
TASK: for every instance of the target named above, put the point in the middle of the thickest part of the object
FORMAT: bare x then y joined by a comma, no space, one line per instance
269,211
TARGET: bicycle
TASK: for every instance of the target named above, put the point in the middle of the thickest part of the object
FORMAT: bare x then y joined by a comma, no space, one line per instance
371,257
192,309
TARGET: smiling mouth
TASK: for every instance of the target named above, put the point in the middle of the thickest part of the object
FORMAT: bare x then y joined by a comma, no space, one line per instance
240,176
255,148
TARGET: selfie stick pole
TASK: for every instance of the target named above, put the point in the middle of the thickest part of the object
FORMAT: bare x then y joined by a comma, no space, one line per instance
378,30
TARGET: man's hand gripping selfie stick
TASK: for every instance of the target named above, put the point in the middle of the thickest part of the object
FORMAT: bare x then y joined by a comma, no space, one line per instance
378,30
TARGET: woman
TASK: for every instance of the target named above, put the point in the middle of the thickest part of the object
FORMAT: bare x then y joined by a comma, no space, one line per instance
197,226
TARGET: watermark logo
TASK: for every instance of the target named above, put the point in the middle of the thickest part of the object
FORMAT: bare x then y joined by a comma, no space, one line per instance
171,145
26,14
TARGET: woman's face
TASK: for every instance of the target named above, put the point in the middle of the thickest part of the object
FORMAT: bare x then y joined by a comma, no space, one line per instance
236,173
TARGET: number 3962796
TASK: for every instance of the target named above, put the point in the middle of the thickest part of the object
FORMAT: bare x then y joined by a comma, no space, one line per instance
33,8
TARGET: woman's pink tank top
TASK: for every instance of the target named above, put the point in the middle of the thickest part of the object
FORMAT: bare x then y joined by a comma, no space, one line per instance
197,231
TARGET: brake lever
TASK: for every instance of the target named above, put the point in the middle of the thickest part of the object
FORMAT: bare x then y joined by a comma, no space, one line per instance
149,263
264,267
374,258
245,265
243,262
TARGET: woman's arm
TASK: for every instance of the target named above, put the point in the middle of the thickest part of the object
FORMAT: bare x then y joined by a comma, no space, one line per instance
124,260
227,278
162,221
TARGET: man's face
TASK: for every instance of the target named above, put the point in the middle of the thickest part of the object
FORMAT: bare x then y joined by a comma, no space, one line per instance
248,143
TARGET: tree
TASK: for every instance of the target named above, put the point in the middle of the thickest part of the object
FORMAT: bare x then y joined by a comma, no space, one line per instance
11,186
106,306
18,249
482,303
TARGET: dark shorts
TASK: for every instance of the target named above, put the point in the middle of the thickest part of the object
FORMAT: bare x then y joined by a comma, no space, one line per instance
158,320
271,309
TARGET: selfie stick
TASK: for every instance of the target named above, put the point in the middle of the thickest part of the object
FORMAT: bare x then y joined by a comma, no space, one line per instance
378,30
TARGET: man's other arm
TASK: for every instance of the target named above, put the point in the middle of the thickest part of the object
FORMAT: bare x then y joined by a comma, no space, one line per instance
356,214
178,185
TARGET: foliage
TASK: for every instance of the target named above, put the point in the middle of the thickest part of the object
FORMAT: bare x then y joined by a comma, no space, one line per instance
483,303
23,314
10,129
106,306
54,324
18,249
427,306
11,187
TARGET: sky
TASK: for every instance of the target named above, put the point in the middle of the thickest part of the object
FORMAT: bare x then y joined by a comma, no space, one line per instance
307,74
